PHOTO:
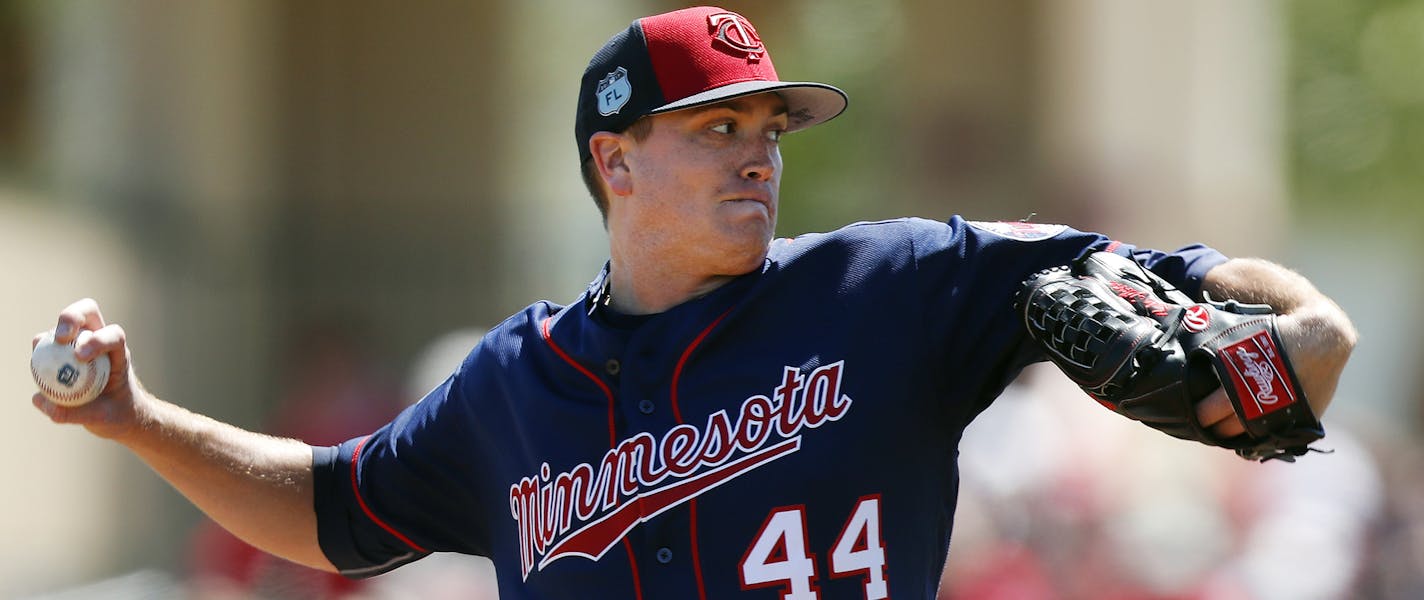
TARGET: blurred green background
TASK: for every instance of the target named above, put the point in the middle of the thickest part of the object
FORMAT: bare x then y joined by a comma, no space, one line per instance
247,184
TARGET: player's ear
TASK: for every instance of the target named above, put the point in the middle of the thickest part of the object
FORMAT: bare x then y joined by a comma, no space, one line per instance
610,158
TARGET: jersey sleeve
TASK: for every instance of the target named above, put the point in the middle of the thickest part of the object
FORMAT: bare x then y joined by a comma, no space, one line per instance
970,273
404,491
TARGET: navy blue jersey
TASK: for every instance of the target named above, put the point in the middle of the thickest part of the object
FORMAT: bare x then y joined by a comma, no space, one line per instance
793,434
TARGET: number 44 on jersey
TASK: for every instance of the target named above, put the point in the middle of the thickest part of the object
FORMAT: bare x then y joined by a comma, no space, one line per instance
780,556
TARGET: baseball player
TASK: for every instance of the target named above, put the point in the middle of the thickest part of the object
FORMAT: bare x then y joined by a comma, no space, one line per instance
719,414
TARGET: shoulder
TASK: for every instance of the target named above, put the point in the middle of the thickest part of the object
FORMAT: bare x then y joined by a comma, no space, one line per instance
508,341
866,237
919,237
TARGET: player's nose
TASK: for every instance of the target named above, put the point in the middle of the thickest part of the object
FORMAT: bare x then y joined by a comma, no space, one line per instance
761,161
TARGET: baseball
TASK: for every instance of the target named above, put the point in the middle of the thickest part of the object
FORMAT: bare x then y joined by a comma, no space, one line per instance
62,377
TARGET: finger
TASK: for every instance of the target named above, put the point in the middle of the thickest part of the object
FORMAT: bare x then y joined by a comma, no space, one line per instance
1214,409
113,342
55,412
1219,415
1215,412
1229,428
83,314
99,410
110,340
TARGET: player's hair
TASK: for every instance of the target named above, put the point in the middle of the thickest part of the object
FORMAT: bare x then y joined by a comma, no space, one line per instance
640,130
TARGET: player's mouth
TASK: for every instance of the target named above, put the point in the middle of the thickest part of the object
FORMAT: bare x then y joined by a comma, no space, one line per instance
763,201
762,209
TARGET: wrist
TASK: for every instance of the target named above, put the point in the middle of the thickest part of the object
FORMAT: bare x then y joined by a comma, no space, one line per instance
132,414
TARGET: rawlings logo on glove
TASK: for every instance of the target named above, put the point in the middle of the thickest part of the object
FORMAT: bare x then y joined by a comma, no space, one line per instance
1146,350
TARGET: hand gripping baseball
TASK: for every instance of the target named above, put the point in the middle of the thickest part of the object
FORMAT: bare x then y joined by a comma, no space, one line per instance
1145,350
109,415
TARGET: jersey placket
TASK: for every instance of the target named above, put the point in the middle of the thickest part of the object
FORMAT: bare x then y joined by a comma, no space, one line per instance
659,543
642,379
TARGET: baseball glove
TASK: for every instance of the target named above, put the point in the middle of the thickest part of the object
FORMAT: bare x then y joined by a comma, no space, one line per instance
1147,351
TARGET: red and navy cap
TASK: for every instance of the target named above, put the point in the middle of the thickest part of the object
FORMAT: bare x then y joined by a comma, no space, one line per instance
683,59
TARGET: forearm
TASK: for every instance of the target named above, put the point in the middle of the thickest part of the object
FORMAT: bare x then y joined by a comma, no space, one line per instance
1317,334
256,486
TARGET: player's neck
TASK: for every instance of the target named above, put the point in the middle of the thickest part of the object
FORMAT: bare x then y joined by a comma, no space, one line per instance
649,291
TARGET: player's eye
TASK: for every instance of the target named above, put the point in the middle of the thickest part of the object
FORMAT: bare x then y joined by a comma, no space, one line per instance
775,135
723,127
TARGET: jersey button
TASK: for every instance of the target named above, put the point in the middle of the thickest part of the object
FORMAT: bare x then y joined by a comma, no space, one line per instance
612,366
664,555
646,406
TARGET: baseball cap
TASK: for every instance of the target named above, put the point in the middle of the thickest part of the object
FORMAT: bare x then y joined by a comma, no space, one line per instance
683,59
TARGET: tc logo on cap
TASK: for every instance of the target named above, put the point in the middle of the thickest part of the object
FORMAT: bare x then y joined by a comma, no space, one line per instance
613,92
735,36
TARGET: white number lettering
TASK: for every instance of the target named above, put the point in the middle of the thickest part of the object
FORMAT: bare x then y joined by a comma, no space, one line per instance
859,549
779,556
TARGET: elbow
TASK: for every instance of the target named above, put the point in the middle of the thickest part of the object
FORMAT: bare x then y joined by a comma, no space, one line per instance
1334,328
1319,343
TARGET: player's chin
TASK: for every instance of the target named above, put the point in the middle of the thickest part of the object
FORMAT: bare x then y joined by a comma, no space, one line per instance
749,235
747,254
750,215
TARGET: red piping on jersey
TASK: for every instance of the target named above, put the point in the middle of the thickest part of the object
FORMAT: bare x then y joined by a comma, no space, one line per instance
633,564
608,393
356,454
677,414
696,556
612,435
682,361
1112,246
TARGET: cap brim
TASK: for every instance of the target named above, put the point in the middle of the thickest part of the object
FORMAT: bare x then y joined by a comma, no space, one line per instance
807,103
